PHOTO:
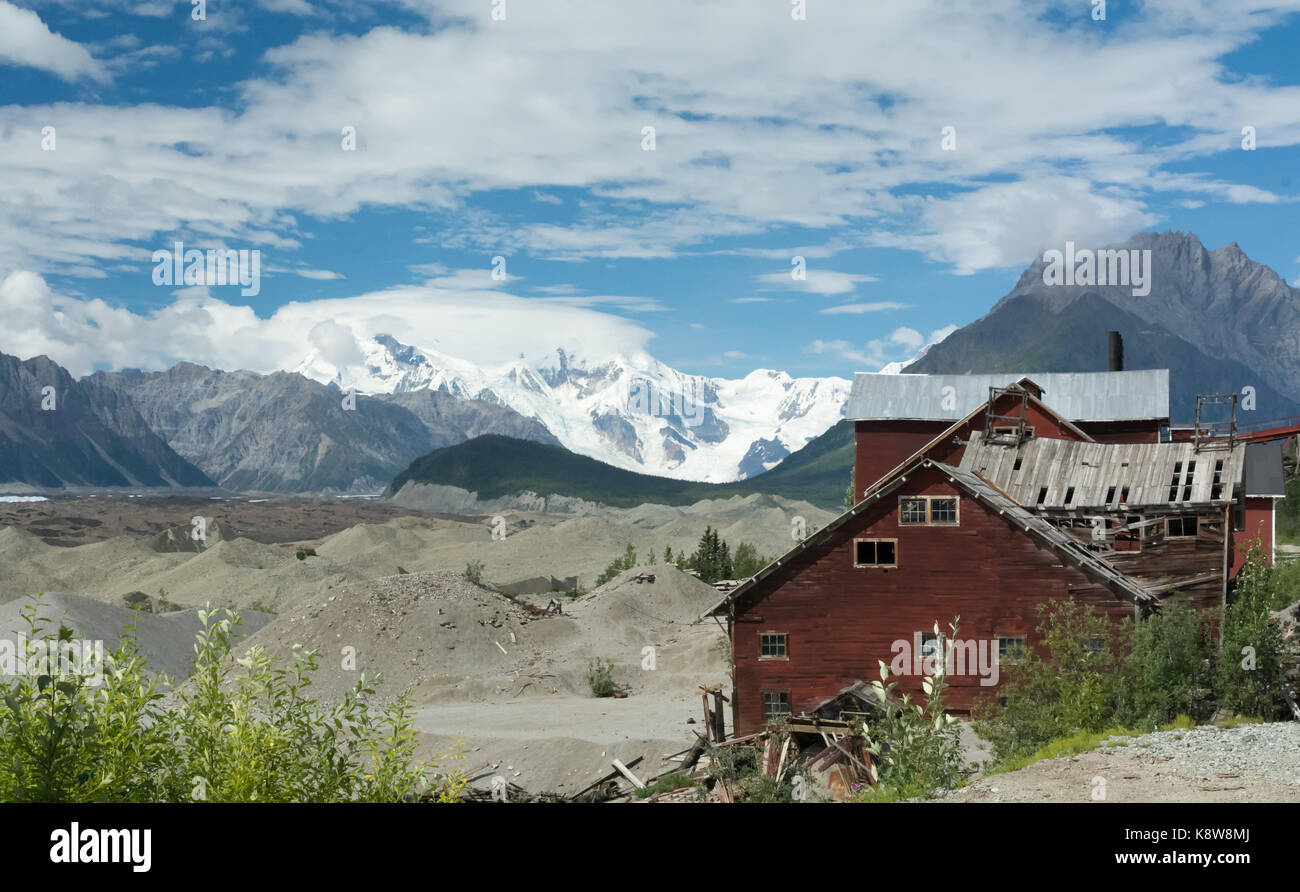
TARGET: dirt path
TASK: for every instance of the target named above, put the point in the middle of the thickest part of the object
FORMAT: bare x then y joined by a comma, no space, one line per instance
1254,763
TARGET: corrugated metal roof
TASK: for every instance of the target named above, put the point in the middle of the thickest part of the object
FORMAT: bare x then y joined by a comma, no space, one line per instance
1098,472
1264,475
1075,396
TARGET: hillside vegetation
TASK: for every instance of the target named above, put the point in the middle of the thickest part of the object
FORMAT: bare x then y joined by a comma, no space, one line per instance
495,466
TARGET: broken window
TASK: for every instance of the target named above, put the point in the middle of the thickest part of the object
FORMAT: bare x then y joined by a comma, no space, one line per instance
776,705
1239,517
772,646
928,644
1181,526
1042,495
1069,495
875,552
912,511
926,510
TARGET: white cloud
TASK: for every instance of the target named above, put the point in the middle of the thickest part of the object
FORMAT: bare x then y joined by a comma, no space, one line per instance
858,309
557,98
818,281
322,275
26,40
900,347
480,326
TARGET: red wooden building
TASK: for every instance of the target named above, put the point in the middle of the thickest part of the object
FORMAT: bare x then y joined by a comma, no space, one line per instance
1020,497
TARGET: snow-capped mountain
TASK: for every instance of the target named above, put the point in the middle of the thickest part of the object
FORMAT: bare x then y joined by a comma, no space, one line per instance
631,412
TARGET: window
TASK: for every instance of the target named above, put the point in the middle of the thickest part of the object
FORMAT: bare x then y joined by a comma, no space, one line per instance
1011,648
928,644
1042,495
943,511
912,511
1094,646
927,511
1016,466
1239,517
1069,495
1130,539
1181,526
875,552
772,646
776,704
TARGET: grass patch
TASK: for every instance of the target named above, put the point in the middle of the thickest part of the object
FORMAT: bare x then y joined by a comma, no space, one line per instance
665,785
1236,721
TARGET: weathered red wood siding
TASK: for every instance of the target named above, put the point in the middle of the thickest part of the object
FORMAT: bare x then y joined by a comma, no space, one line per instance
841,620
1123,431
880,446
1259,525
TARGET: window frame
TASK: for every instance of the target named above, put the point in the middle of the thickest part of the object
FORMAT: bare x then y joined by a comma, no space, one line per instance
1182,520
1021,637
929,511
778,692
876,566
784,656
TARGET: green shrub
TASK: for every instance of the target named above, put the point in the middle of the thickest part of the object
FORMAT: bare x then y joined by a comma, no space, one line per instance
1252,668
1073,688
304,553
914,749
474,572
1170,668
229,735
600,677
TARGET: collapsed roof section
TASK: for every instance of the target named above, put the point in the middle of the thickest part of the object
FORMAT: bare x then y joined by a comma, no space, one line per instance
1048,474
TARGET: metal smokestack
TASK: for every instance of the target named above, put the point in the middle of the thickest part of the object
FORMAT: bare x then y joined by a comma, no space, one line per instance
1116,352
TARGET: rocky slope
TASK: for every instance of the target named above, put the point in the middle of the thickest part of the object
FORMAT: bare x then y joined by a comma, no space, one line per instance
86,435
286,433
1217,319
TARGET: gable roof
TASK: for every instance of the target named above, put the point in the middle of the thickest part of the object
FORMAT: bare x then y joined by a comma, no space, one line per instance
1024,383
1076,396
1065,545
1095,471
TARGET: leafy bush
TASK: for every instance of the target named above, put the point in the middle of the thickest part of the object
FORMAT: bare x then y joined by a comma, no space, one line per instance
246,735
1252,668
1170,668
474,572
600,677
304,553
618,565
915,749
1074,688
740,767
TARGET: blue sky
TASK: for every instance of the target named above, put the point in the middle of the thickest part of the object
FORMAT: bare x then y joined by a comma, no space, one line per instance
523,138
